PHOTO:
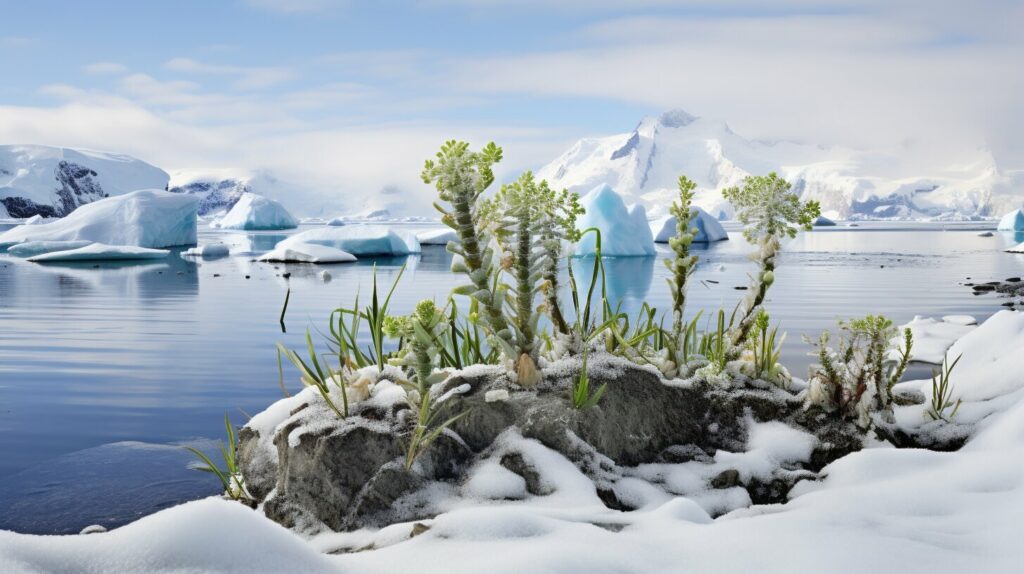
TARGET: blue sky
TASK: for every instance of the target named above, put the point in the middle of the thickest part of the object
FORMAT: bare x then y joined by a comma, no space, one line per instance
352,93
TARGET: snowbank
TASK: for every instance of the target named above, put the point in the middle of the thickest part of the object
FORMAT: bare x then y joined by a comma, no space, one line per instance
624,231
31,248
708,228
307,253
1013,221
101,252
146,218
437,236
254,212
932,337
359,240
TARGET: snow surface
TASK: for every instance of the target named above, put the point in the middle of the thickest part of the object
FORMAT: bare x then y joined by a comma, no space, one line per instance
440,236
254,212
307,253
878,510
624,231
646,163
708,228
30,248
932,337
29,172
208,251
145,218
1013,221
101,252
359,240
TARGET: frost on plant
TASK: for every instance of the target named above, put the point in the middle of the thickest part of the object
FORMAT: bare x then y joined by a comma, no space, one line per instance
769,212
855,377
683,264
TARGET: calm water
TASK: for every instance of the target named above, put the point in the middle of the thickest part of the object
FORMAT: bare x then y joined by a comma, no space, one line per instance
156,353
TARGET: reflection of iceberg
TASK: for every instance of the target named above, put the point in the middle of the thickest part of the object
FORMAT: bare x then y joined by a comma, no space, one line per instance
627,279
171,277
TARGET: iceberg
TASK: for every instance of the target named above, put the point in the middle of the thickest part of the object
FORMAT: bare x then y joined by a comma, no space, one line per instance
34,220
33,248
307,253
437,236
146,218
254,212
708,228
101,252
823,221
624,231
1013,221
336,222
359,240
208,251
1018,249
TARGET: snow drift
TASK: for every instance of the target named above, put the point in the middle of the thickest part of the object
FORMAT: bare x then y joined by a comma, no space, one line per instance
254,212
145,218
54,181
624,231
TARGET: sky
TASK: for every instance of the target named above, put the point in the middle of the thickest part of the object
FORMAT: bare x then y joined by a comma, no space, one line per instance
351,96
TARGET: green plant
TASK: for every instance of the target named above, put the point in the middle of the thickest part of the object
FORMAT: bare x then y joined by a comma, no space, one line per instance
714,345
345,324
942,392
769,212
230,477
766,351
682,265
580,395
312,374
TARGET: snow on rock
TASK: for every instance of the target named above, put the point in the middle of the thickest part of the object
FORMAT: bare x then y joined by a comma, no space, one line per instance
1013,221
208,251
307,253
54,181
31,248
624,231
254,212
932,337
440,236
359,240
490,480
145,218
708,228
101,252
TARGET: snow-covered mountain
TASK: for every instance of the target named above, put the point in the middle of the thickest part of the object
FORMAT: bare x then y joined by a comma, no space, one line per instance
54,181
645,164
219,190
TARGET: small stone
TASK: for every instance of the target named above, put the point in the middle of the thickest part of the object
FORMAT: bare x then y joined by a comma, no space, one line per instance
1009,304
740,287
325,277
417,529
986,234
216,274
1013,280
496,395
247,277
286,275
726,479
93,529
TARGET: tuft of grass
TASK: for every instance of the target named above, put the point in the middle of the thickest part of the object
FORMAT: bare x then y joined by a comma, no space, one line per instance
942,393
230,477
580,395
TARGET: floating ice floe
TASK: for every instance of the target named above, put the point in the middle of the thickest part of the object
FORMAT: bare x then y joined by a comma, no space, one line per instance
145,218
708,228
359,240
1013,221
336,222
307,253
208,251
1019,248
437,236
254,213
933,337
101,252
624,231
33,248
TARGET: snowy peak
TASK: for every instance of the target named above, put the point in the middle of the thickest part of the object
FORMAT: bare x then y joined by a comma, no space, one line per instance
54,181
676,118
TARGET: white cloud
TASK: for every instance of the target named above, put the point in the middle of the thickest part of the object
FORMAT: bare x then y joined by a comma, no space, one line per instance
248,77
105,68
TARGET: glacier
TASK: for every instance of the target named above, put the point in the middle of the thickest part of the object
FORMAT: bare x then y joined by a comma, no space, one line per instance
54,181
101,252
708,228
307,253
625,231
1013,221
145,218
254,212
359,240
644,166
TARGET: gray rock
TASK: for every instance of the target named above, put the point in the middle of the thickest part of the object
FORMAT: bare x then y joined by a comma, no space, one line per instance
726,479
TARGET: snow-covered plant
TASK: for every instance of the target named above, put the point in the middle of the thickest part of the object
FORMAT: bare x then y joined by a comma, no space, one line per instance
765,348
461,176
683,264
230,477
422,332
769,212
942,393
855,378
531,220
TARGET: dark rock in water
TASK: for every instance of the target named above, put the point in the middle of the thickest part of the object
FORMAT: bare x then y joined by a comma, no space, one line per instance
986,287
1013,280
